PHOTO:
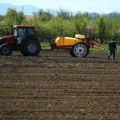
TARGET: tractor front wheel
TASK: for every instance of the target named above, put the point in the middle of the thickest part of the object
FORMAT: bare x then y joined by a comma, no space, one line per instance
79,50
31,48
5,49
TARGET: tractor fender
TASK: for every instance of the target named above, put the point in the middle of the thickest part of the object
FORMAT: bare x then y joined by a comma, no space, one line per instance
30,37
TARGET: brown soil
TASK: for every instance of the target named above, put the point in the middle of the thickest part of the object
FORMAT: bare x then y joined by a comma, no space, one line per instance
56,86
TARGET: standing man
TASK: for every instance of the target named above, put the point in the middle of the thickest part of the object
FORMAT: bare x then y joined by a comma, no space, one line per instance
112,49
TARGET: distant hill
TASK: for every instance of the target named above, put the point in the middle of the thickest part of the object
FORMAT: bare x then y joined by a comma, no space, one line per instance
27,9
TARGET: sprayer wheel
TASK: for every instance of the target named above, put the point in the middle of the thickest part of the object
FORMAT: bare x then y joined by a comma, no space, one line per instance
79,50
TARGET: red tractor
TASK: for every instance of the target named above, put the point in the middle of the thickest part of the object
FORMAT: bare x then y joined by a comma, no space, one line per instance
22,39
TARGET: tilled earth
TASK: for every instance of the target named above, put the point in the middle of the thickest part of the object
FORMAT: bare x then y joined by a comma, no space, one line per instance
56,86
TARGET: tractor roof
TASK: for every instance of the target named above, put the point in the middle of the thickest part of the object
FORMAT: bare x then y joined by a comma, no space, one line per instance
24,26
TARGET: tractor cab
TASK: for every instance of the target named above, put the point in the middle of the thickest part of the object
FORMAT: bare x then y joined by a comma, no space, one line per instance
22,32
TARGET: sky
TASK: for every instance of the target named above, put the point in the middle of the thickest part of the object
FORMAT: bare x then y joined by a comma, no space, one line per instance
98,6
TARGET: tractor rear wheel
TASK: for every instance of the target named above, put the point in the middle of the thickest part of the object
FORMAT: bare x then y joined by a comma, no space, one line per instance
79,50
5,49
31,48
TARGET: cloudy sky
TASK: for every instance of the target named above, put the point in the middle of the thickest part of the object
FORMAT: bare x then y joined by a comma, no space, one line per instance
99,6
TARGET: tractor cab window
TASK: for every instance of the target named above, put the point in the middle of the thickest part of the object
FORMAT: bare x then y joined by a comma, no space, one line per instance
30,31
15,32
20,34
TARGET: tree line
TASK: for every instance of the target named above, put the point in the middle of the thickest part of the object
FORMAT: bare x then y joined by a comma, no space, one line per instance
102,27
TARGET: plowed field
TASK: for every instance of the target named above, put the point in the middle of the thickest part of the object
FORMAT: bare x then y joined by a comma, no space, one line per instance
56,86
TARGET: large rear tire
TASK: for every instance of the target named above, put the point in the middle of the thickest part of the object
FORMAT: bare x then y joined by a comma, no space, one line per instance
5,49
31,48
79,50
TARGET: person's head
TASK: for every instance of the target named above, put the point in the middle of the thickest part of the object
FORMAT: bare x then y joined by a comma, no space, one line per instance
112,39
